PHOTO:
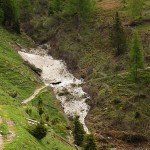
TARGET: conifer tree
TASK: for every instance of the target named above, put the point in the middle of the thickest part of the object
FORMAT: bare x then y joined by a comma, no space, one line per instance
135,8
79,132
40,107
118,36
90,143
136,56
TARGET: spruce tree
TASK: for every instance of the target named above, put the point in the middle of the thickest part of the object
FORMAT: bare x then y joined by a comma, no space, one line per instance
135,8
136,56
90,143
118,36
79,132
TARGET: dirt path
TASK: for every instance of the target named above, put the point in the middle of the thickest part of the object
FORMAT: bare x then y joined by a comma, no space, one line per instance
37,91
11,133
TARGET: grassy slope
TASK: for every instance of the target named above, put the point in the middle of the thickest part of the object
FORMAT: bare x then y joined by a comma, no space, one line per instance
14,76
94,54
58,122
19,79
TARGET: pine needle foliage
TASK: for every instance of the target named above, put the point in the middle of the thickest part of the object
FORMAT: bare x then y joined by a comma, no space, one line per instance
90,143
79,132
136,55
118,36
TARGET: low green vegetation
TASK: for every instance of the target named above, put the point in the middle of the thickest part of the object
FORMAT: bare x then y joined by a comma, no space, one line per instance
51,112
90,143
121,107
119,112
4,129
136,56
18,82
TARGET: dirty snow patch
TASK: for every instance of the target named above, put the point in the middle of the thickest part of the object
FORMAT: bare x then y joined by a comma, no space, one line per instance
56,71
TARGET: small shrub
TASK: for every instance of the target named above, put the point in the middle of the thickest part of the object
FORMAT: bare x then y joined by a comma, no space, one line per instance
41,111
40,131
55,121
137,115
13,94
116,101
29,111
47,118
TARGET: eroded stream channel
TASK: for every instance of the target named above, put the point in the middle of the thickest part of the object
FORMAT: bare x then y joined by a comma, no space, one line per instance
67,88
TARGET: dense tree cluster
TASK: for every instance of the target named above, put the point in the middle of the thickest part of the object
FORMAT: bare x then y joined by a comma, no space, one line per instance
9,14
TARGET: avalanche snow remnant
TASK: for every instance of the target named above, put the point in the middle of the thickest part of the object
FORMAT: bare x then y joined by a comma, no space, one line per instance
68,91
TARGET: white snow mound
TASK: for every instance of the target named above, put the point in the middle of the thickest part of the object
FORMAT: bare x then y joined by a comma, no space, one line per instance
69,91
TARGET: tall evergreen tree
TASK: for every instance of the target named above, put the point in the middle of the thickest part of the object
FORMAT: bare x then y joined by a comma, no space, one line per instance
79,132
118,36
135,8
136,56
90,143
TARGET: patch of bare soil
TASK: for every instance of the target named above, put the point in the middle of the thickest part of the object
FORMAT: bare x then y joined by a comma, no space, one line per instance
11,133
110,4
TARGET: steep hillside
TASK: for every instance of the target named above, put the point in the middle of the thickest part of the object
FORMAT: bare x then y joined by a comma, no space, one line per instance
18,82
119,115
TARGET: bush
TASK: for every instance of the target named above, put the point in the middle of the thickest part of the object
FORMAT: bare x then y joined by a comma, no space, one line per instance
29,111
13,94
40,131
116,101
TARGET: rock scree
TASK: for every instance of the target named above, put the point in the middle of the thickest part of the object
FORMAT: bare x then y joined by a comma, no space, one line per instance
69,91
